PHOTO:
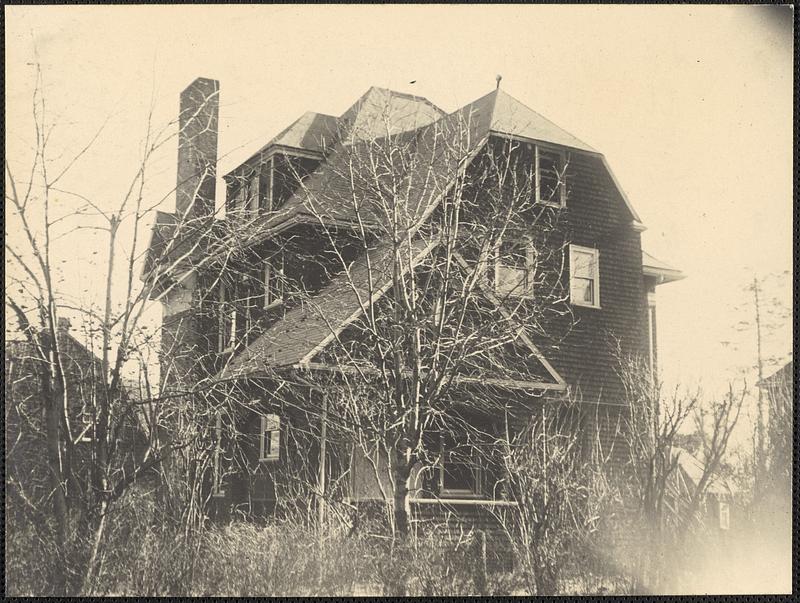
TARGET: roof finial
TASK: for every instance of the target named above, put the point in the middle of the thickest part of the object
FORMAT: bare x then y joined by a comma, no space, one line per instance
498,77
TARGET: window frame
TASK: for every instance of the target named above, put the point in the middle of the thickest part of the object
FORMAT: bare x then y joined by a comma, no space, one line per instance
560,171
530,264
445,492
578,249
267,268
274,454
227,311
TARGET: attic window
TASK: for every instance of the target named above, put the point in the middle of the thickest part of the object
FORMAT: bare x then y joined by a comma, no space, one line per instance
549,177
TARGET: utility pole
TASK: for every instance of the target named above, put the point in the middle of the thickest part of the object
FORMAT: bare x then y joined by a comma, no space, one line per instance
760,467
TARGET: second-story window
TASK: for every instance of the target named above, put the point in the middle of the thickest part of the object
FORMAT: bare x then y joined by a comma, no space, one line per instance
584,275
514,267
549,177
227,319
273,280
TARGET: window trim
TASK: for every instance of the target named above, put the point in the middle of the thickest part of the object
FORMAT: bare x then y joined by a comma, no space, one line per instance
274,438
530,264
562,185
267,268
223,310
595,279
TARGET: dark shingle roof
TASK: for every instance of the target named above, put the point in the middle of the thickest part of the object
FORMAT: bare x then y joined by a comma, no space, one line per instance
305,327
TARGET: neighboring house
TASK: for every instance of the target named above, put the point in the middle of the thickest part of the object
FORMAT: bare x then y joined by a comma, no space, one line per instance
718,506
26,462
253,348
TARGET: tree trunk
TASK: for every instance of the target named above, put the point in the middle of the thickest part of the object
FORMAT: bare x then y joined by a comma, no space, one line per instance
401,506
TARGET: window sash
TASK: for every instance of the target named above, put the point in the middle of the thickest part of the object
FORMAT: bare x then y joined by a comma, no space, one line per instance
549,180
584,276
513,264
458,463
270,438
273,281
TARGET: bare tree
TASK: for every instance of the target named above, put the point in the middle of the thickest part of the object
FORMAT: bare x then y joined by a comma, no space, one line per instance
103,411
668,505
435,241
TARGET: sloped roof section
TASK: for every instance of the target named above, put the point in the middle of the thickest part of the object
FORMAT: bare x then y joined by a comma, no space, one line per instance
501,113
663,272
312,132
309,326
381,112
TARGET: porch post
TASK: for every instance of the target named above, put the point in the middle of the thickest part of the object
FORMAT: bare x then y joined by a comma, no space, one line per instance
323,444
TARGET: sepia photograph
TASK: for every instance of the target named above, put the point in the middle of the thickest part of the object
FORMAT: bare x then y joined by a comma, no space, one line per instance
398,300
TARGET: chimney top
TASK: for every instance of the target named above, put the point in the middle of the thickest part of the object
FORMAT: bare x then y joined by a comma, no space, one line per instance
64,324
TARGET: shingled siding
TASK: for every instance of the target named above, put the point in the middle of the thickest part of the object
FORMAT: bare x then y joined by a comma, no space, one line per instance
598,218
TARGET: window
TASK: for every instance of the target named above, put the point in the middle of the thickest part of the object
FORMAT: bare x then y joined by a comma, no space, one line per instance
252,193
550,188
513,268
724,516
85,426
584,265
270,438
273,280
217,488
651,332
227,320
459,471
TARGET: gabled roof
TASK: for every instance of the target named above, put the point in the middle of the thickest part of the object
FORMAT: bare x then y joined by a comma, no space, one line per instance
661,271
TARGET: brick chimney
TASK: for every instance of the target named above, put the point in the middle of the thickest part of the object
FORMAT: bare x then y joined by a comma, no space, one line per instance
197,149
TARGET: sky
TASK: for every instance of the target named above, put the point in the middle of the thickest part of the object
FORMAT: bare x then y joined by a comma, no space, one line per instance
691,105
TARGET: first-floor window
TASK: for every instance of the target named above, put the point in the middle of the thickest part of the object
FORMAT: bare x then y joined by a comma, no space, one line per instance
217,487
584,268
86,426
460,471
514,268
273,280
227,320
270,438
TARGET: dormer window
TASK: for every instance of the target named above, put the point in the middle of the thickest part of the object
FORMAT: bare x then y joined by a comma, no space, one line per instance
273,280
584,268
511,269
549,177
